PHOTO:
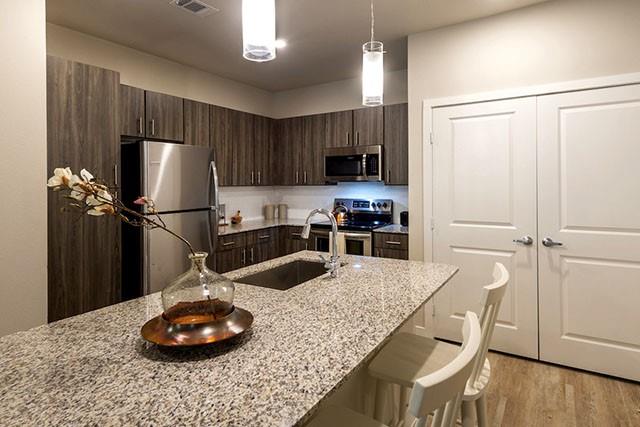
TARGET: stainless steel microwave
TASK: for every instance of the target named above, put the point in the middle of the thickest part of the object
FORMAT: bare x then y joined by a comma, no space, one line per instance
362,163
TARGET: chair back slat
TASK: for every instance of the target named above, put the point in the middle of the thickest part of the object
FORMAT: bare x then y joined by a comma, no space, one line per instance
491,299
442,390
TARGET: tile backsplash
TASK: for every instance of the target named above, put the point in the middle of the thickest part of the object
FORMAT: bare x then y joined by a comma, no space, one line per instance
250,200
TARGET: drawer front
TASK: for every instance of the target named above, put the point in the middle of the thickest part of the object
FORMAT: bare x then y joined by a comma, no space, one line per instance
391,241
391,253
259,237
293,232
231,241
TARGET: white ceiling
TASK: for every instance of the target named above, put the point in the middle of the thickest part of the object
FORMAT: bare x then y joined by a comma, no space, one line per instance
324,36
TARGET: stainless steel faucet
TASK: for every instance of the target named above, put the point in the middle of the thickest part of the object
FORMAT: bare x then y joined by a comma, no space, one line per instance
332,263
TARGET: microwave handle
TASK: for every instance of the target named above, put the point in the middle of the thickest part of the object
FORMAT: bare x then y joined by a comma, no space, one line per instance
364,166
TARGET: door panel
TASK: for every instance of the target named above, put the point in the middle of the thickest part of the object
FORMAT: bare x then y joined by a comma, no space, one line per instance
368,126
313,150
339,130
589,187
396,144
196,123
484,198
131,108
222,143
165,116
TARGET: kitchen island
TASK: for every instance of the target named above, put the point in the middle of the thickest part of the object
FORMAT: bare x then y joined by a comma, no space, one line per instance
95,369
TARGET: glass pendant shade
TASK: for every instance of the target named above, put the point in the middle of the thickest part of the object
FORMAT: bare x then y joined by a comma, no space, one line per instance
372,73
199,295
259,30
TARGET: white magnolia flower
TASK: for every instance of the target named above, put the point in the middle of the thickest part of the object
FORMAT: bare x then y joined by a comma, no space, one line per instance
103,197
86,175
61,176
101,210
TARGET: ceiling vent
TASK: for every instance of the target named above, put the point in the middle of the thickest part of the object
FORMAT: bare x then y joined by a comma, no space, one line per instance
196,7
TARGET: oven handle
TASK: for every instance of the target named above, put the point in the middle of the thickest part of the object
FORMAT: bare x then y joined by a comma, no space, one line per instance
359,236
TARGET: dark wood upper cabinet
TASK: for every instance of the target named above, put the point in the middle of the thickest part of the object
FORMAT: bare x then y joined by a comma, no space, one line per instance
131,108
339,129
263,136
368,126
289,142
82,132
221,138
196,123
242,142
313,150
396,144
164,116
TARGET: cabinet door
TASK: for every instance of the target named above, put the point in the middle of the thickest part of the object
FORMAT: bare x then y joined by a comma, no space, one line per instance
230,260
368,126
82,132
396,144
391,253
484,182
165,116
288,147
312,151
242,143
222,143
339,129
588,187
292,242
196,123
131,108
262,150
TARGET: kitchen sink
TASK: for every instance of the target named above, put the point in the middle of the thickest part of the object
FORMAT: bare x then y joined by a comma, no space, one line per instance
285,276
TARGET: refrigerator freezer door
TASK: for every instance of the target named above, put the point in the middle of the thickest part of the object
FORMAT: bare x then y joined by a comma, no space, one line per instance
166,257
176,176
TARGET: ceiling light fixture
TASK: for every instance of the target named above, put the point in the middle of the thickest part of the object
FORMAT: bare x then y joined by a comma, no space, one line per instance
259,30
372,69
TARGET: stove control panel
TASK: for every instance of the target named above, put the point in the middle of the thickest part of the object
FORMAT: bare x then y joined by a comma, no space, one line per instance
365,205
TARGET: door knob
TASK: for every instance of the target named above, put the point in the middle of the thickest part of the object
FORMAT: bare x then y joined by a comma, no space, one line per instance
549,242
526,240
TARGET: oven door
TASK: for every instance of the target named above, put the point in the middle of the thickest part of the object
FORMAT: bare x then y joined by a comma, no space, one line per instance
354,243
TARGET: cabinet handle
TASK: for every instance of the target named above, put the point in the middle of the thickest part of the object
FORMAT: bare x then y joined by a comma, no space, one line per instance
244,257
305,177
115,174
388,175
259,178
297,177
266,236
347,134
153,127
252,176
392,243
228,243
296,234
357,138
140,130
251,255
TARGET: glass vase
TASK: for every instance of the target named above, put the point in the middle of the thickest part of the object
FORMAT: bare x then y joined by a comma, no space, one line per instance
199,295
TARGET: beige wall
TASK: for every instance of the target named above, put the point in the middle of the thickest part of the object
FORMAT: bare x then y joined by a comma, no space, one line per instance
551,42
23,162
154,73
336,96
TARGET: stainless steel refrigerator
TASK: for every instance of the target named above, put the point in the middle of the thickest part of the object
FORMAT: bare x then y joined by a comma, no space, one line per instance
183,182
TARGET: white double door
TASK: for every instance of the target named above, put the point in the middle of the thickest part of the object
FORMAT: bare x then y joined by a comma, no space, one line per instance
565,168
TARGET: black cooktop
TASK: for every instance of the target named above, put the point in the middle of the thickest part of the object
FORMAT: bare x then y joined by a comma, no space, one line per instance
352,225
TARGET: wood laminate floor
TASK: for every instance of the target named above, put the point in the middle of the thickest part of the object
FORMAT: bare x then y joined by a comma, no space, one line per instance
527,393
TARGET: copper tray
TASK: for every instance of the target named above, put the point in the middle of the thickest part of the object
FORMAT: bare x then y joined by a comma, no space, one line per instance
162,332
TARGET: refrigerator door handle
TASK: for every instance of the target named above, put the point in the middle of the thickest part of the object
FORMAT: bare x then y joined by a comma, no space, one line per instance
212,223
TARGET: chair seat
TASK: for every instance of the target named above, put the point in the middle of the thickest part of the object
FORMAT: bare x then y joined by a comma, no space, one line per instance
407,357
337,416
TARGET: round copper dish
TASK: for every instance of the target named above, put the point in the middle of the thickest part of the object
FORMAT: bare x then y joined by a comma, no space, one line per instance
162,332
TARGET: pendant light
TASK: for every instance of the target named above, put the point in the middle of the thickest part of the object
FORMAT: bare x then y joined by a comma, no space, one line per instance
259,30
372,69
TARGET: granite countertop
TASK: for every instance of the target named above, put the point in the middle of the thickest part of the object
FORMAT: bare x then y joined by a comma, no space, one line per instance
392,228
95,369
257,224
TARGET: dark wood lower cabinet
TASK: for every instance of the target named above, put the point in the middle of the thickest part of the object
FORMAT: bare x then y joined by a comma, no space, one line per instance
82,132
391,245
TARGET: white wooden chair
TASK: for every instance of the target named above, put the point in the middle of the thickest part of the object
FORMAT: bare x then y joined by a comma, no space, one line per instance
439,393
408,357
